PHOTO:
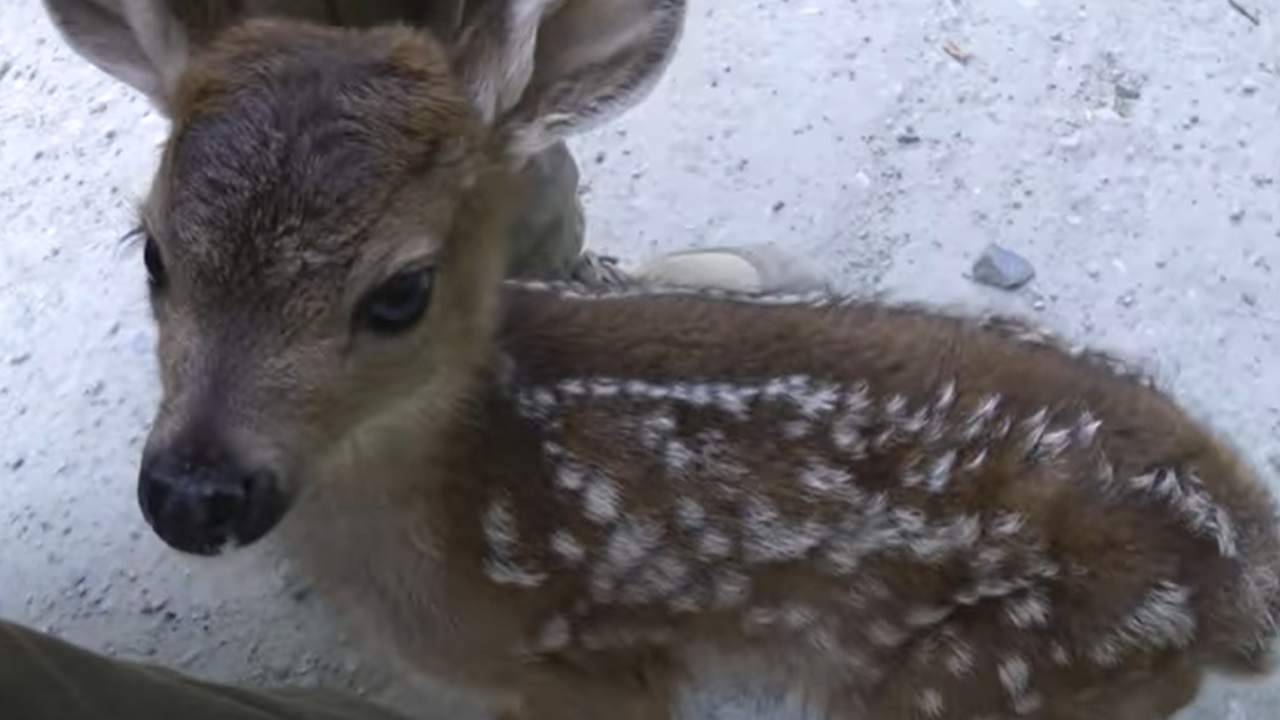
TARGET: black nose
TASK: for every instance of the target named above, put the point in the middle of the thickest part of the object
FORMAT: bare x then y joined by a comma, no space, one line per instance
201,506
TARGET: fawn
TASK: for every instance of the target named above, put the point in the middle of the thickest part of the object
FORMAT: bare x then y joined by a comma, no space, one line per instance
572,502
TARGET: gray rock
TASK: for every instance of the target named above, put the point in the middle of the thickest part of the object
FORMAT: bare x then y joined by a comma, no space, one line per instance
1002,268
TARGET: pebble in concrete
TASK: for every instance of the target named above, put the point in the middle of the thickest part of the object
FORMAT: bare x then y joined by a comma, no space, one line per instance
1002,268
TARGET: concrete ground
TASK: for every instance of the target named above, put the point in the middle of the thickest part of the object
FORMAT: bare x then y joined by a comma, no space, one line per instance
1129,150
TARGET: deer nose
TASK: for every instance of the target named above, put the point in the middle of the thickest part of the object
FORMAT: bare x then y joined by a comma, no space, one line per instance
201,507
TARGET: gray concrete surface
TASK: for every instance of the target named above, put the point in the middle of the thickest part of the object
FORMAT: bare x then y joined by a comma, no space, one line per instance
1130,150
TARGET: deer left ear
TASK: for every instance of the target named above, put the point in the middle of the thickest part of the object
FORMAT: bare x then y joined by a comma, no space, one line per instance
143,43
541,70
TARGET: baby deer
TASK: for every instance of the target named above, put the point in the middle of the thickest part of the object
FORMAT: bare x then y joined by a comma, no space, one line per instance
574,502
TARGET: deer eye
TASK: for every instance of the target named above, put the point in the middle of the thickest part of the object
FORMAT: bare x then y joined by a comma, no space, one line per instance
398,303
155,266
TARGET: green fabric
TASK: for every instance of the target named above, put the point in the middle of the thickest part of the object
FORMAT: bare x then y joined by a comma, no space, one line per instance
43,678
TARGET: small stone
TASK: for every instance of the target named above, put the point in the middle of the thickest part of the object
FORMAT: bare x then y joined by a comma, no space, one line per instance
1128,90
1126,300
1249,299
1070,142
1002,268
1237,216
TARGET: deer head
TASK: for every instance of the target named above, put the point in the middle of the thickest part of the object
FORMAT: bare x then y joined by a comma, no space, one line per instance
322,236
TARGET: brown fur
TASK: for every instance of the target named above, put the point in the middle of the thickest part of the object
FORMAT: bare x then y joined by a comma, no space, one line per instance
573,503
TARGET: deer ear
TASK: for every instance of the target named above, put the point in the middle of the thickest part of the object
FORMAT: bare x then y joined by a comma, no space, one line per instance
143,43
540,70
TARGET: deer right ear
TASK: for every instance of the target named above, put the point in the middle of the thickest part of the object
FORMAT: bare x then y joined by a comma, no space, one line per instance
143,43
541,70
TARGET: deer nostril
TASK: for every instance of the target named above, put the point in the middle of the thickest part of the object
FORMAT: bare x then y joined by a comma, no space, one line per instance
223,506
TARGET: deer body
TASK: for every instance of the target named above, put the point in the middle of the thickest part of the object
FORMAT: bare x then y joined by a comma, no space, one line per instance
573,502
920,516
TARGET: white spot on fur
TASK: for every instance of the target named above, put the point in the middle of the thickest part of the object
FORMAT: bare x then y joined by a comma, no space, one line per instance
960,661
872,528
884,635
690,515
605,388
631,542
946,397
578,292
1028,610
1028,703
1008,523
933,543
760,617
824,478
500,526
567,547
1087,428
1002,428
983,414
685,603
505,571
940,471
824,640
570,475
1034,429
895,409
1059,654
776,389
736,401
731,588
1163,619
797,617
660,579
923,617
816,400
677,457
975,462
1015,676
500,531
555,635
601,501
714,544
767,538
1186,495
657,428
930,703
850,421
797,429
